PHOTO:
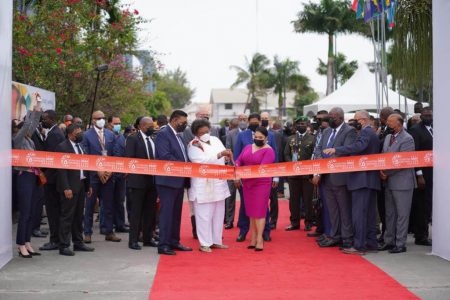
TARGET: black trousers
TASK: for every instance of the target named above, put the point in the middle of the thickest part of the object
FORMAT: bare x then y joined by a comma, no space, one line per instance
230,204
71,218
37,214
52,206
381,208
143,211
421,210
274,206
300,189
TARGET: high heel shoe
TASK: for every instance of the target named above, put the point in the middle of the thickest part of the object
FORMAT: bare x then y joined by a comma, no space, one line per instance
24,255
251,247
259,249
34,253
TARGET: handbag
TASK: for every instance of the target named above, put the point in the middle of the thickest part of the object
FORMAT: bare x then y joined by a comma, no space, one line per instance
42,179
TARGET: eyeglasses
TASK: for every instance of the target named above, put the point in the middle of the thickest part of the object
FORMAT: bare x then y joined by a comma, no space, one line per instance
102,118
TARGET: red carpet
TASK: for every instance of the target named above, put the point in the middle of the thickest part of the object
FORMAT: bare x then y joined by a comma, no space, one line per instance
292,266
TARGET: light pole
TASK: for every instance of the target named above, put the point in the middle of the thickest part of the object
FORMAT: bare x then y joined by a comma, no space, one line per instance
99,69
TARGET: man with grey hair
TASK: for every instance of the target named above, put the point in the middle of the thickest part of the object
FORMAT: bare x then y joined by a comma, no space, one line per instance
363,187
338,202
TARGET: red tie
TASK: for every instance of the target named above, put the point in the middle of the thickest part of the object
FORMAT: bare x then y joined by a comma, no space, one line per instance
392,140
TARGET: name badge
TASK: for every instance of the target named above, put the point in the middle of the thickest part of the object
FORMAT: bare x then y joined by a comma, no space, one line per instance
104,152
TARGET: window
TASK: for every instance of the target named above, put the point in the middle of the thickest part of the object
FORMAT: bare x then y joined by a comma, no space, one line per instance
228,105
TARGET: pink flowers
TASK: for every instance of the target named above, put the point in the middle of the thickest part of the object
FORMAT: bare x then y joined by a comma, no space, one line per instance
62,63
22,18
58,50
24,52
136,12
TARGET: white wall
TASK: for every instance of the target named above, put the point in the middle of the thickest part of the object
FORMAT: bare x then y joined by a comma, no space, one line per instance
5,130
441,98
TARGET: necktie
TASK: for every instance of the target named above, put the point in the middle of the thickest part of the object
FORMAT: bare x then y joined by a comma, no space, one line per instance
392,140
180,141
80,152
150,149
331,140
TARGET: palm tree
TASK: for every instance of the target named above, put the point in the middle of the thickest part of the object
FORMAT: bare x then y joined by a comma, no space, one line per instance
256,76
284,74
344,70
329,17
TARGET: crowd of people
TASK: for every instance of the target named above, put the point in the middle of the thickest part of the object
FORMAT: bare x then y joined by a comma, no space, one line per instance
360,212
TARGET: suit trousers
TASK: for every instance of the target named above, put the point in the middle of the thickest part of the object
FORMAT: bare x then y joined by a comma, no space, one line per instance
364,210
71,218
171,205
382,208
208,217
274,206
325,215
301,190
398,207
143,211
422,208
105,192
339,205
119,201
52,207
37,214
230,203
27,197
244,221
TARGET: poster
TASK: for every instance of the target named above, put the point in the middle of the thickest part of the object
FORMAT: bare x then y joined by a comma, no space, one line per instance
24,98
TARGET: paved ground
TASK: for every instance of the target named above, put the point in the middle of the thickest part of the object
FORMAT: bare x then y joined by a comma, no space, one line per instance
115,272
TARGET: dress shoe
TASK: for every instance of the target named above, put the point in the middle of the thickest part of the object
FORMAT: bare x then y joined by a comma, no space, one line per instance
66,252
122,229
313,234
292,227
112,238
397,250
151,243
345,246
229,226
134,246
240,238
308,227
180,247
267,238
87,239
49,246
385,247
39,234
82,247
156,238
217,246
273,226
321,238
166,251
423,242
205,249
328,243
353,251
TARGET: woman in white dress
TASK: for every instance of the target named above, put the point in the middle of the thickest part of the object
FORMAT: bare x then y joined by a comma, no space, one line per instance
208,195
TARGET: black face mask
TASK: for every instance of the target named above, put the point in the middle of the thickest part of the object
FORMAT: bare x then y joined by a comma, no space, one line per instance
427,121
301,129
181,127
333,123
265,123
79,138
253,127
46,125
149,131
388,130
258,143
356,125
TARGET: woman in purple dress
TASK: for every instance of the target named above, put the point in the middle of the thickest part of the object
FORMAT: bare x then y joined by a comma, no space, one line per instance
256,190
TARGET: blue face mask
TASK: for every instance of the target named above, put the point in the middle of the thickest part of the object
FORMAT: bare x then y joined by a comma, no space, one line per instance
117,128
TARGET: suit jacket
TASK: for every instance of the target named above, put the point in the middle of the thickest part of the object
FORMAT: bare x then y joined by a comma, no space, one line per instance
69,179
135,148
423,141
400,179
366,143
344,137
245,138
231,138
38,140
280,145
91,144
303,147
168,148
54,137
119,151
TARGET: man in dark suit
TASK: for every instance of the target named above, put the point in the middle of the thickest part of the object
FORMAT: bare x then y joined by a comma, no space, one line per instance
53,138
100,141
363,187
71,186
338,201
300,147
423,196
245,138
170,146
142,189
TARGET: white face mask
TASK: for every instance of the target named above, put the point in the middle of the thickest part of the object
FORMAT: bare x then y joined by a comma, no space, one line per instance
100,123
205,138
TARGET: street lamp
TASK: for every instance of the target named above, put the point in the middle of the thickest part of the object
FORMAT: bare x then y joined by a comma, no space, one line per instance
99,69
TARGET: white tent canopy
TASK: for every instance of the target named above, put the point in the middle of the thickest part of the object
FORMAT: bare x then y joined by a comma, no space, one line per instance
359,93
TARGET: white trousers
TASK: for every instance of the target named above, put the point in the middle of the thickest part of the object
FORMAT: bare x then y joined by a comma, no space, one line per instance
209,220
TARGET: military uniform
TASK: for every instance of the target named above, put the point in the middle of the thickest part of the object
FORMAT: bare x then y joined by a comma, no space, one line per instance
300,147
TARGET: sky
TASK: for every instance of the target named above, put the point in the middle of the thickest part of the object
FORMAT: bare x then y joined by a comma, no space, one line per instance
205,37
